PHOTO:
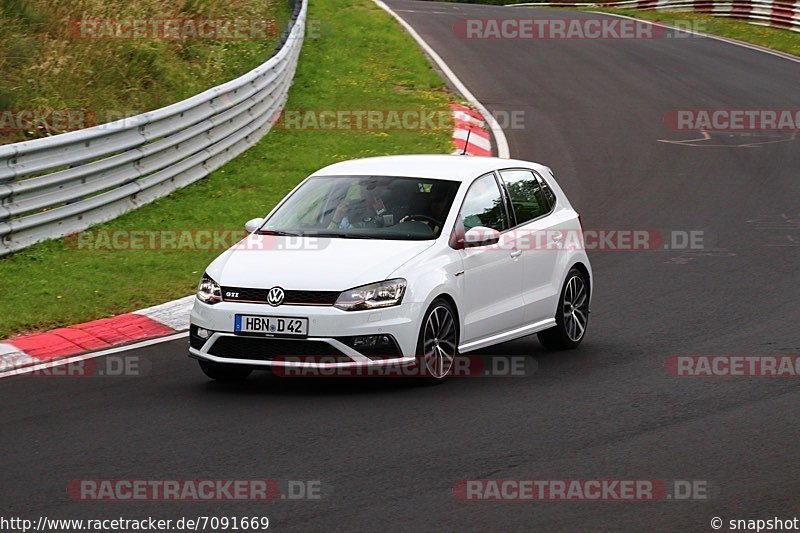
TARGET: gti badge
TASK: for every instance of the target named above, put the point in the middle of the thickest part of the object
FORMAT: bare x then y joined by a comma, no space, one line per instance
275,296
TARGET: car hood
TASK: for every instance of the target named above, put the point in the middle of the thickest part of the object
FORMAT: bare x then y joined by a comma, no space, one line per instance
308,263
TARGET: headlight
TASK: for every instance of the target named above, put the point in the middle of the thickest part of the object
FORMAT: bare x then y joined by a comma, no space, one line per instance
382,294
208,290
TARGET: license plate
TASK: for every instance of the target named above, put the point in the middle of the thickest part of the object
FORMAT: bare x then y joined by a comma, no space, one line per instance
270,325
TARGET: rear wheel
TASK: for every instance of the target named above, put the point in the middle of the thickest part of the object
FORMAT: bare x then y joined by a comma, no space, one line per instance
223,372
572,317
437,347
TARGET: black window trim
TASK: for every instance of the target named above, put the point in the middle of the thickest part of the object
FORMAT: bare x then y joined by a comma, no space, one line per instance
545,183
508,196
511,217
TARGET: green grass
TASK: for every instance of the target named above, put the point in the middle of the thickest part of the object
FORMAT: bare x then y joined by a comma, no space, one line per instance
361,60
46,65
777,39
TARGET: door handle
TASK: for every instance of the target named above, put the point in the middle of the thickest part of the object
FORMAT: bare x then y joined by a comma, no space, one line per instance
557,236
516,253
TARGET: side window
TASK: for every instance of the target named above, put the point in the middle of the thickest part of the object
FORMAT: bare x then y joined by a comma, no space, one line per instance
525,194
548,193
483,205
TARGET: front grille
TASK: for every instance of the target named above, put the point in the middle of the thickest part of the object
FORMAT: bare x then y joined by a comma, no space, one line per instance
273,349
311,297
290,297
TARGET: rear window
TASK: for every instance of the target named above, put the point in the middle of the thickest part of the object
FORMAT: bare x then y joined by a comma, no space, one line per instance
526,195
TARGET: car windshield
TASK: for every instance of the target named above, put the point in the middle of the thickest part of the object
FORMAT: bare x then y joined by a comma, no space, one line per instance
365,207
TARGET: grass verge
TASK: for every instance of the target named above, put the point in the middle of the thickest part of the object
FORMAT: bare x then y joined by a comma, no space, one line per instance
359,59
50,64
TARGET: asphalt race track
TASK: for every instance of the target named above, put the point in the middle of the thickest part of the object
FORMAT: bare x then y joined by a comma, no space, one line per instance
387,454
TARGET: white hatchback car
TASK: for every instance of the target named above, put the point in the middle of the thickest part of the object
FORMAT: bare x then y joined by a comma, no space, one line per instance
399,260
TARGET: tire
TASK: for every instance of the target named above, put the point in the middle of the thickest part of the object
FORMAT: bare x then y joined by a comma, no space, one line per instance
572,315
437,344
223,372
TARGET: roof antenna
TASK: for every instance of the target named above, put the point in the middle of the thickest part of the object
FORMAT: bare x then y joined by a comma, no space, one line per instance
466,142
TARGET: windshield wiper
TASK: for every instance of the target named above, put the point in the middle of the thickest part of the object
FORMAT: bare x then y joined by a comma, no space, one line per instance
279,233
344,235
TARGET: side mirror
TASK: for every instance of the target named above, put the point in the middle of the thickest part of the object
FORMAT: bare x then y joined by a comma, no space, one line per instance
481,236
254,224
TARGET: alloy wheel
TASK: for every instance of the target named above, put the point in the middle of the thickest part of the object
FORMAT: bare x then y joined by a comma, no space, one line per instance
439,342
575,308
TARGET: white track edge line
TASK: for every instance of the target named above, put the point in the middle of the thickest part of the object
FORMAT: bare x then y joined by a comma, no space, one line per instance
497,131
728,40
708,35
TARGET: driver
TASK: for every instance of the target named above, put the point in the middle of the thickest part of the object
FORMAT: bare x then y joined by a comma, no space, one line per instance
366,211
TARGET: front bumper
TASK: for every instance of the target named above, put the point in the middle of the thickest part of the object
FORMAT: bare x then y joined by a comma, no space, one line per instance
322,348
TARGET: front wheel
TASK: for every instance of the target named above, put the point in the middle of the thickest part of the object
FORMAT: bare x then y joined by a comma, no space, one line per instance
224,372
572,317
437,347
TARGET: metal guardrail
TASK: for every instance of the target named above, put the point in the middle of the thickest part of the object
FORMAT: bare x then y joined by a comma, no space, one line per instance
58,185
782,14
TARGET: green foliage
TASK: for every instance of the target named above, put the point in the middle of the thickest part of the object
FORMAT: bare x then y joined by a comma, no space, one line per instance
46,65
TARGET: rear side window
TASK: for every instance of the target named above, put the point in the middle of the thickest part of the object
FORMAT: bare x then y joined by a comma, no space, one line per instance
483,205
526,195
548,193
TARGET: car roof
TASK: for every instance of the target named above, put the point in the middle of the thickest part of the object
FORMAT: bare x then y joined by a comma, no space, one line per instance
449,167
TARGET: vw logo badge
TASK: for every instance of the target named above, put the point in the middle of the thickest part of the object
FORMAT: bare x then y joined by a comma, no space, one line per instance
275,296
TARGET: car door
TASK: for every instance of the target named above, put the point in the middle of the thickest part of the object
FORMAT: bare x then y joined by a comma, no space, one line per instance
491,301
540,238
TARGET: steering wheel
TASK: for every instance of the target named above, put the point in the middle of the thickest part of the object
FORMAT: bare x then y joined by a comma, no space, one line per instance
422,218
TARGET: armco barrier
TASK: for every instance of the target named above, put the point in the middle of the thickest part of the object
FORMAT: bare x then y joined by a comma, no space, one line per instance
779,14
62,184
